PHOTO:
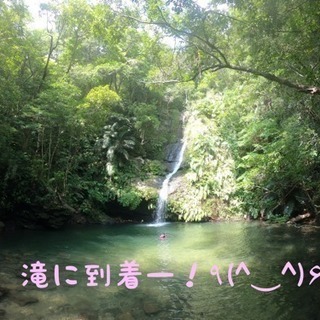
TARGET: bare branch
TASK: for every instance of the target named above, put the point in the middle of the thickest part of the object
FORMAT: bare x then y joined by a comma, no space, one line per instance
272,77
221,61
165,81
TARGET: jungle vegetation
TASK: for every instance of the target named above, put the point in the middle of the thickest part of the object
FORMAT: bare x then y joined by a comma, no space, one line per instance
89,104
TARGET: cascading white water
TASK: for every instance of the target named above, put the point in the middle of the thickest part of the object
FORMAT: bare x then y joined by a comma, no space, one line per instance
163,195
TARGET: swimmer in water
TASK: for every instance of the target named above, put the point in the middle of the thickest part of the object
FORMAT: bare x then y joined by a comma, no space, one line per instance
162,236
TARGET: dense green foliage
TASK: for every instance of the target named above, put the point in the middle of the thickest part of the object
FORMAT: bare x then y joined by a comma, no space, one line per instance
88,106
254,150
78,121
254,133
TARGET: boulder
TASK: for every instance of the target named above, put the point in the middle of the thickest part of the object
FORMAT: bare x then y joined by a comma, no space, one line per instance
3,292
23,300
151,307
125,316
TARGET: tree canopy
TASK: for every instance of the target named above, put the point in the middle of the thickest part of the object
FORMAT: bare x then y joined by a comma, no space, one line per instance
276,40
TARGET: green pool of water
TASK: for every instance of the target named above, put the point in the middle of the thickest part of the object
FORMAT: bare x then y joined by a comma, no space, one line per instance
264,249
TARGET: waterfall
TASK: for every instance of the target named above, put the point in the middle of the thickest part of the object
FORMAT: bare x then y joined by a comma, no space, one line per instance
163,195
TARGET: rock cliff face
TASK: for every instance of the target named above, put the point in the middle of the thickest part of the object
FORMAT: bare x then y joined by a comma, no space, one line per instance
172,155
176,181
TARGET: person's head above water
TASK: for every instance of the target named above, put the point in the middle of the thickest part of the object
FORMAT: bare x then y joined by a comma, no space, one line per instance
162,236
